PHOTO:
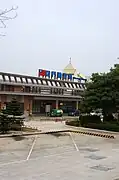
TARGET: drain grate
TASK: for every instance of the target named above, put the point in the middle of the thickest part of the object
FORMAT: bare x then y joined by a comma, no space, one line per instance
88,149
95,157
102,168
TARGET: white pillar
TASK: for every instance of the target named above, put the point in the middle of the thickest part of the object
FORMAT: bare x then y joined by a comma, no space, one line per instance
77,104
57,103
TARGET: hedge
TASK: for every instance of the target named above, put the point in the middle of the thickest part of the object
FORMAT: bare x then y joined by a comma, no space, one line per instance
104,126
84,120
8,123
94,122
73,123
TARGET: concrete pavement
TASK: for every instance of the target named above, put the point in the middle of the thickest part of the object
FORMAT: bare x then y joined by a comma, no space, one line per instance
47,125
60,156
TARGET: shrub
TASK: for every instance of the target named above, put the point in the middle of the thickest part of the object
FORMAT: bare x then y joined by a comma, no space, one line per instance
84,120
110,118
16,123
73,123
4,123
104,126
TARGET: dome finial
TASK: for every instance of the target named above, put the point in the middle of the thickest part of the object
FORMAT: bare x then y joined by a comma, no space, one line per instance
70,60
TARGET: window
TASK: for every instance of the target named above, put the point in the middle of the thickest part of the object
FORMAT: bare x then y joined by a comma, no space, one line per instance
44,82
29,80
66,85
12,78
6,78
39,81
70,85
58,84
2,87
38,89
77,85
27,89
81,86
1,78
35,89
18,79
35,81
53,83
49,83
24,80
74,85
61,91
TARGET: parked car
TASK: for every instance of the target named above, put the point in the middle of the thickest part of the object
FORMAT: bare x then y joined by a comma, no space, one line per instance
56,113
74,113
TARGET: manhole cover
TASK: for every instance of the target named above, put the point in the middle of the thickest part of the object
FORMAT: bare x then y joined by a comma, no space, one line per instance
89,149
102,168
95,157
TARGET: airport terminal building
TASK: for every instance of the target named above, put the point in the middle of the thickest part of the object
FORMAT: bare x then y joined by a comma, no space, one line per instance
55,89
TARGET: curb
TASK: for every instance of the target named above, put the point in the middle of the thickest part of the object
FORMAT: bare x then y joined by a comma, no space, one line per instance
16,135
94,134
32,133
92,130
57,131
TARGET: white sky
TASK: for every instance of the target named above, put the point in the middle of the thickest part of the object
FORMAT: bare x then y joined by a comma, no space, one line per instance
47,32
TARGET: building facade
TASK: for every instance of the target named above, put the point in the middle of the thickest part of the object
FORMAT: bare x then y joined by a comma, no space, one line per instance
35,93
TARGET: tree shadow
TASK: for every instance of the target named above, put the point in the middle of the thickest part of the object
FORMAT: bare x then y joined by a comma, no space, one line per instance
57,134
18,138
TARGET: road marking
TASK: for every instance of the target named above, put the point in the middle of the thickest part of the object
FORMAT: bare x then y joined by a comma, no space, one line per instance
34,159
29,154
13,162
74,142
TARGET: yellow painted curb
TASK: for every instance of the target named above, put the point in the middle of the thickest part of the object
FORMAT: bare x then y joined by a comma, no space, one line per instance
94,134
54,131
61,131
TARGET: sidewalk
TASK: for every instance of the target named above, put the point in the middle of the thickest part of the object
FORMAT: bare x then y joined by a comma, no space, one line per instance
47,118
47,125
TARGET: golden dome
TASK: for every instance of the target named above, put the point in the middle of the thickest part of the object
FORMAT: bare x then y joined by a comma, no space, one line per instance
69,69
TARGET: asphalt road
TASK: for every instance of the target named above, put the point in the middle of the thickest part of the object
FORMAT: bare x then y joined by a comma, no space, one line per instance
61,156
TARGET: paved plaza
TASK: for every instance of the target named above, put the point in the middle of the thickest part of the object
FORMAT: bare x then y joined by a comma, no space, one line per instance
47,125
59,156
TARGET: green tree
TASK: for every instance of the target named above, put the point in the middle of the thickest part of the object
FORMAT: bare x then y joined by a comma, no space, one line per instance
103,92
10,118
13,108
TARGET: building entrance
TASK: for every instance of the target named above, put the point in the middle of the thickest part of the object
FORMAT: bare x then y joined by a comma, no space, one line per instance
39,106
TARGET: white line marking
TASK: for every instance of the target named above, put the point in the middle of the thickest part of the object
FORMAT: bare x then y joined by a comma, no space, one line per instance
13,162
34,159
74,142
29,154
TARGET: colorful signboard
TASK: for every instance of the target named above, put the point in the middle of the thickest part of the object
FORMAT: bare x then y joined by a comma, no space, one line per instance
57,75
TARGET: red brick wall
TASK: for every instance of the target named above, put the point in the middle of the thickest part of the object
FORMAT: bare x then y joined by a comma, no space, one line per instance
3,99
18,88
28,104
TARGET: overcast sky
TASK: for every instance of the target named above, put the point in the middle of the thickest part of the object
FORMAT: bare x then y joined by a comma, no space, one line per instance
47,33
